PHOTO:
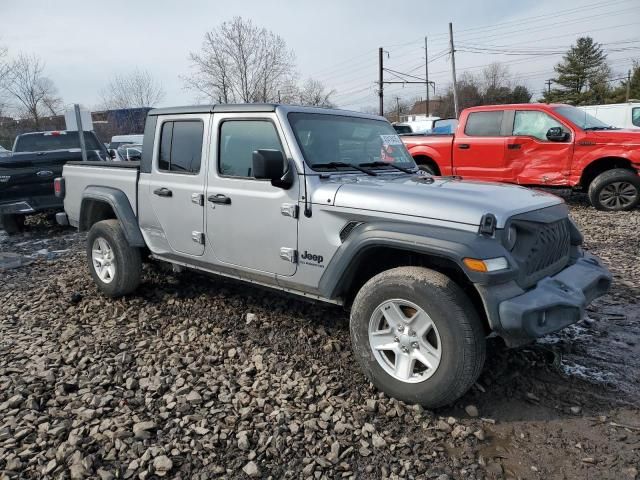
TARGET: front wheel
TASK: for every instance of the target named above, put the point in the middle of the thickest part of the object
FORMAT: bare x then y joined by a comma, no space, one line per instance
115,266
615,190
417,336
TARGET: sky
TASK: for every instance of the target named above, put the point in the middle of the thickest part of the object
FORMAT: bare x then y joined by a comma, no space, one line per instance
84,43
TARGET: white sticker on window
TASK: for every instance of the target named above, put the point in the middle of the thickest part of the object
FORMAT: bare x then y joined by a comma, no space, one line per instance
391,140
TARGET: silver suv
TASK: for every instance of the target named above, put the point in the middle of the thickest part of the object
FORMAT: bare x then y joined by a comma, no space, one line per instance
329,205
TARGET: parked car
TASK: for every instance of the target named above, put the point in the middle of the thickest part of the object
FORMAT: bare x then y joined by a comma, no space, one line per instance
402,128
415,124
26,177
4,152
329,205
621,115
538,144
130,152
118,140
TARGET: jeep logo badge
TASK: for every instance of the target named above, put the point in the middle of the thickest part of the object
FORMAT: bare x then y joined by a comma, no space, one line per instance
312,257
45,173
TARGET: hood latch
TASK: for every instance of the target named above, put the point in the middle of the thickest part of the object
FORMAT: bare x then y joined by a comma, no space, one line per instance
488,224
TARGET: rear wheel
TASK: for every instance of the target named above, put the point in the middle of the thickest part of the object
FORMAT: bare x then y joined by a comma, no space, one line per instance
115,266
12,223
615,190
417,336
427,168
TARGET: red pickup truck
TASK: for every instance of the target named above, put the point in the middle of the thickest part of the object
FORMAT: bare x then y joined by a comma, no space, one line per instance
538,144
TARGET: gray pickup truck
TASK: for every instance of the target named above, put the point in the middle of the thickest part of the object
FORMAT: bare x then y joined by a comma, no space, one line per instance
329,205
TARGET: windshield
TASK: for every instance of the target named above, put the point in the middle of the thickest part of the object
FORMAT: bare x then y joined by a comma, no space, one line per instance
44,142
581,118
352,141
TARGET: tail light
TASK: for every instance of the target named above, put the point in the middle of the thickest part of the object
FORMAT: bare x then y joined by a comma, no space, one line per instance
58,187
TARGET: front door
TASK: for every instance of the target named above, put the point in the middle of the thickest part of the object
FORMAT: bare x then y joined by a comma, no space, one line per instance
176,184
250,223
534,159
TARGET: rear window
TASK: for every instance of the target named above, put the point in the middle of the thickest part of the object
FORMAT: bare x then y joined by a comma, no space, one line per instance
635,116
484,124
181,146
44,142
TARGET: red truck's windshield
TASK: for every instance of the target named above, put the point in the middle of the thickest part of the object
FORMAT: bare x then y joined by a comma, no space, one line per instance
581,119
329,139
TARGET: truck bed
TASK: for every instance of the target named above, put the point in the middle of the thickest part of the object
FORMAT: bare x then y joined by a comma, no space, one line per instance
80,176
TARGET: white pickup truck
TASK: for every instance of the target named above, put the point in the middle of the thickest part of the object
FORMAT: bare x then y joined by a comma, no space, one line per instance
329,205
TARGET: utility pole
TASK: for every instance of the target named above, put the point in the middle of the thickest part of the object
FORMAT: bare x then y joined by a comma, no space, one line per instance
628,84
380,81
398,108
426,73
548,82
83,146
453,70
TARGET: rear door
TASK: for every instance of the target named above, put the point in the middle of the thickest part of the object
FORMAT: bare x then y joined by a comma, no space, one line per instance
478,152
534,159
176,184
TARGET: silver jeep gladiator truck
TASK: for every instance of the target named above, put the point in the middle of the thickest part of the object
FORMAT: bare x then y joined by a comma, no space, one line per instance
329,205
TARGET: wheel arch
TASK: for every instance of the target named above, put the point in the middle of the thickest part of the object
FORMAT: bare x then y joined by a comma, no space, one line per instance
105,203
601,165
372,249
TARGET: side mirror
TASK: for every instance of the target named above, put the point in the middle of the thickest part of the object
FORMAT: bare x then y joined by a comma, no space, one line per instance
270,165
556,134
112,153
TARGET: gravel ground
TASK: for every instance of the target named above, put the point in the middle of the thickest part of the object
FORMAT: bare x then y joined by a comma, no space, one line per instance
198,377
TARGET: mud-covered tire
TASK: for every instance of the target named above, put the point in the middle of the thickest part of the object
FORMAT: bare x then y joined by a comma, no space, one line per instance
106,240
12,223
615,190
460,335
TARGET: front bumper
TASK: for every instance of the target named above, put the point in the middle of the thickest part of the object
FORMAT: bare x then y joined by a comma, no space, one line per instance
554,303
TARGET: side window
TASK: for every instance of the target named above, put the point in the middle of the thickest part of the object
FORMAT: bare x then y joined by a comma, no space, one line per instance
237,142
484,124
534,124
181,146
635,116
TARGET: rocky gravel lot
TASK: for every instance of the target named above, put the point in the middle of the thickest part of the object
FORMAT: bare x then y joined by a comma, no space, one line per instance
198,377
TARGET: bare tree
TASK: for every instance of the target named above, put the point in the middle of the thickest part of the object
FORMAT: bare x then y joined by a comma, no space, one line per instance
138,89
314,93
241,62
4,71
33,94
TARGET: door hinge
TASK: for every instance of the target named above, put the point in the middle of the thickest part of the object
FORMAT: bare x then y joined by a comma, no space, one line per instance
289,210
198,199
197,237
289,254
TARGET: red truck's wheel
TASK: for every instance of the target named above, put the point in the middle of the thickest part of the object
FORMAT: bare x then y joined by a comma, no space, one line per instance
615,190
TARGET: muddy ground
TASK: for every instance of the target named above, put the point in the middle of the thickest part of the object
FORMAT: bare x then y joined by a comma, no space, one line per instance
198,377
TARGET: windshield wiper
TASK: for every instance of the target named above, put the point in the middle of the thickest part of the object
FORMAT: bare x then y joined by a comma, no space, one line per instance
385,164
343,164
600,128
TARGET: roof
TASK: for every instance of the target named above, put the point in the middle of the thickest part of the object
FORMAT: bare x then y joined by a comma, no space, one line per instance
255,107
226,108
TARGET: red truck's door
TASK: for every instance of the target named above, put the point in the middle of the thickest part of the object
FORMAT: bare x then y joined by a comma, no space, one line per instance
534,159
479,149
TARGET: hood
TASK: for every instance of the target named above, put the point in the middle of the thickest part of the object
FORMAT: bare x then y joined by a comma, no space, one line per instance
443,198
614,137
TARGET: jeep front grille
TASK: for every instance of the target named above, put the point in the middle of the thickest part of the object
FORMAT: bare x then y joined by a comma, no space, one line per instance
542,249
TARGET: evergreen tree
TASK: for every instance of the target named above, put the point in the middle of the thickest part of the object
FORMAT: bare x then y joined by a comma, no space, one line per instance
582,74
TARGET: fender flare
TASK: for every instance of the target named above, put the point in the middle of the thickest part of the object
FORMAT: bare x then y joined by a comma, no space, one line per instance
447,243
121,206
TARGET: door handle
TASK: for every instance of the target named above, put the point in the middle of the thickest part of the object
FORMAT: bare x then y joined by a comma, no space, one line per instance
514,146
163,192
464,146
219,198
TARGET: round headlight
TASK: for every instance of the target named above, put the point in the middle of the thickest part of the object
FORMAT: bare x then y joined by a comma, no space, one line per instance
512,234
